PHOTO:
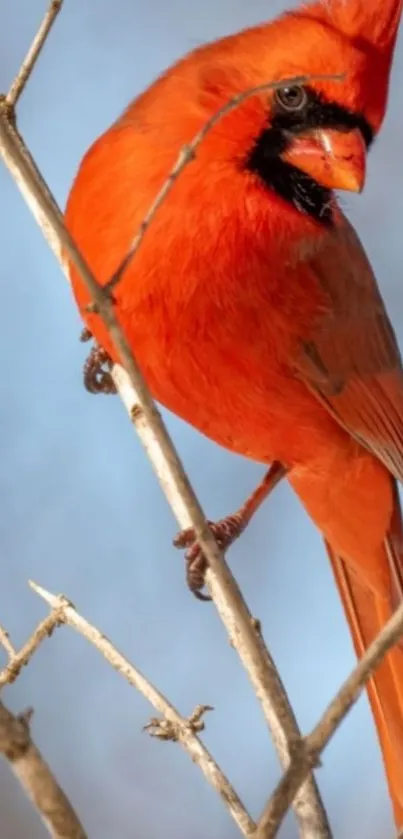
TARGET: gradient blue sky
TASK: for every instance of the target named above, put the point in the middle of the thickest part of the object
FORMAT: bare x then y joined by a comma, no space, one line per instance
83,514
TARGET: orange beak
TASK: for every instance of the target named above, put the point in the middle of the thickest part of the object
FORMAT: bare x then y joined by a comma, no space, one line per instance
335,159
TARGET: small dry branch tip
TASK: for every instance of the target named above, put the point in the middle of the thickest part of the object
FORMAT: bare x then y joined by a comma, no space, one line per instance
196,721
257,625
162,729
6,643
26,716
33,53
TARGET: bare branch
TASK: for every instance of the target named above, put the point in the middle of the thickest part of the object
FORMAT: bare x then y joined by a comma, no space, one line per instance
174,481
184,730
20,659
318,739
33,53
188,153
36,778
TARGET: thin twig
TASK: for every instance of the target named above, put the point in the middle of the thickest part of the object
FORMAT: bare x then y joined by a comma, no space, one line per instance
318,739
188,153
33,53
184,729
23,656
174,481
36,778
6,643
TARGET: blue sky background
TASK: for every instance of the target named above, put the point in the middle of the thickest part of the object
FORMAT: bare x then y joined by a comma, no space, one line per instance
83,514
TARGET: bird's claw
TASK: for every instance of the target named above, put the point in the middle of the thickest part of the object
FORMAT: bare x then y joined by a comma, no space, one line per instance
224,531
96,372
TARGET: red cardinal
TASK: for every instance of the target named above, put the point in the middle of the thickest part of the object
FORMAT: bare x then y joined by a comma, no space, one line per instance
251,305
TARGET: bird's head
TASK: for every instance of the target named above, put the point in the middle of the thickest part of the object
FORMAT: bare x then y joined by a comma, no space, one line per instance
301,141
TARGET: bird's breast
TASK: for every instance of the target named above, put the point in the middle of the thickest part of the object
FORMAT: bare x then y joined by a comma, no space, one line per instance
220,355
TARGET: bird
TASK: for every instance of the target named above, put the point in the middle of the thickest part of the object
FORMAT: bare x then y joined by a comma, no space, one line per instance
251,305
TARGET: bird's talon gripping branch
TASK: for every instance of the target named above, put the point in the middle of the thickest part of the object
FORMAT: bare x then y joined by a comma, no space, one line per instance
96,371
225,531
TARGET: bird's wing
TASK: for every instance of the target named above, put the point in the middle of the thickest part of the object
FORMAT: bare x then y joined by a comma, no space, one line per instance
351,361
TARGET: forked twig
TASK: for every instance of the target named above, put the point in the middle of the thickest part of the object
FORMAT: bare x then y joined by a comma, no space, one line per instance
18,660
318,739
182,730
18,748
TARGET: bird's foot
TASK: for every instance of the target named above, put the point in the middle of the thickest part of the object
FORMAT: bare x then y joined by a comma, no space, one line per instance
96,372
225,532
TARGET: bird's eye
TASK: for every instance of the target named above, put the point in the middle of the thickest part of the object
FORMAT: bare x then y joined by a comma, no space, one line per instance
291,98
